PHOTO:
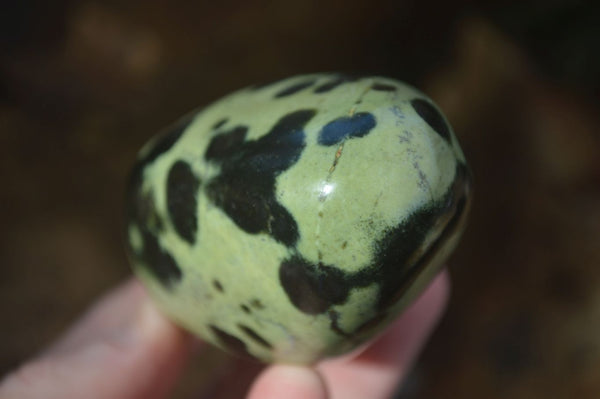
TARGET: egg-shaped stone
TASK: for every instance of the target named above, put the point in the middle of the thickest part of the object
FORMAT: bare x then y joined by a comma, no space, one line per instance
293,221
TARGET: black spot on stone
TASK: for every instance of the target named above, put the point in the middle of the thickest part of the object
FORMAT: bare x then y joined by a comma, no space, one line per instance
253,208
135,197
159,261
357,125
255,337
294,88
245,188
257,304
327,87
141,208
383,87
142,212
220,123
334,323
160,146
218,286
166,141
335,82
232,343
245,308
313,289
222,145
432,116
396,247
182,200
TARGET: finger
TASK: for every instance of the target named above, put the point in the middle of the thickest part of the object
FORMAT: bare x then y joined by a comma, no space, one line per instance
377,371
122,348
290,382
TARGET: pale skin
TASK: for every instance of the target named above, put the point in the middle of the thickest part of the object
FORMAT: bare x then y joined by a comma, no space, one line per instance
123,348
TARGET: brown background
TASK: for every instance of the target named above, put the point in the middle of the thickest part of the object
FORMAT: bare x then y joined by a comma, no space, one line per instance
84,84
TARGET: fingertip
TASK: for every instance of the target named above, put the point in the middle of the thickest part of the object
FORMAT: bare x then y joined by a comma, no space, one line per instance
291,382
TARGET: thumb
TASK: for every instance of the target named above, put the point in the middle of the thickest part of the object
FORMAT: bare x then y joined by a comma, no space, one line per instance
290,382
123,348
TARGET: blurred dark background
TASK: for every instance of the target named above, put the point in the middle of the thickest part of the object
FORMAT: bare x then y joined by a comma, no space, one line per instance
83,84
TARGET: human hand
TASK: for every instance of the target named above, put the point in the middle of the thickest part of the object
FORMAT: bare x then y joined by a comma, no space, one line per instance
123,348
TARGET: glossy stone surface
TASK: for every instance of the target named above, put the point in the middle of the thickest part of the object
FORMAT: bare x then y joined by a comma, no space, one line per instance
293,221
